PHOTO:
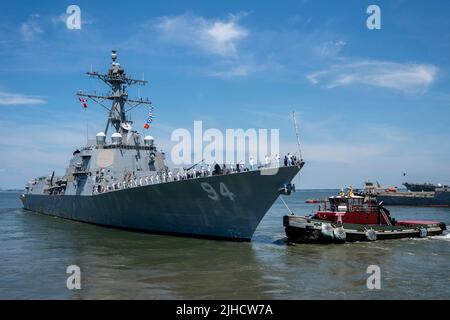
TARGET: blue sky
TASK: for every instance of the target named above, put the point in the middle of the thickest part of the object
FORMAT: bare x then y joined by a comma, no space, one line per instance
372,103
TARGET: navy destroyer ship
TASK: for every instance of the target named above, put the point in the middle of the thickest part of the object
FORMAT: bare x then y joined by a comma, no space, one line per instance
123,181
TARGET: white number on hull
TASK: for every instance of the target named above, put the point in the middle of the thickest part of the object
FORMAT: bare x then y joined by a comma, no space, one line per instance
225,192
212,194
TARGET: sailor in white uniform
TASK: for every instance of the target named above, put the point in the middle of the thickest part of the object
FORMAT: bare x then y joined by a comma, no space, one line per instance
289,156
277,160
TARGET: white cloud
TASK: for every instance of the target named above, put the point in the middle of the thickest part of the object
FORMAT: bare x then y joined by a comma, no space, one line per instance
62,18
405,77
220,37
236,71
330,48
37,148
19,99
31,29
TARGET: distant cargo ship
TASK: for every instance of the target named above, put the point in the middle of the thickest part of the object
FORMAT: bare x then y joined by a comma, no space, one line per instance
440,197
417,187
417,194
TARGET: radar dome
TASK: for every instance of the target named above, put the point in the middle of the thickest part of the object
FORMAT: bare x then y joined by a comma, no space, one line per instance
148,140
100,138
116,138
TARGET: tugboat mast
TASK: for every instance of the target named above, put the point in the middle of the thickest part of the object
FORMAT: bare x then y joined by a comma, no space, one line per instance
118,81
294,116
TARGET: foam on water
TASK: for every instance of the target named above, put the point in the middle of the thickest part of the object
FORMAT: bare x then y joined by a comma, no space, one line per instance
445,236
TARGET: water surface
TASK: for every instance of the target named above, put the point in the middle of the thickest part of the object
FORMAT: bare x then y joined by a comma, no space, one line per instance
35,251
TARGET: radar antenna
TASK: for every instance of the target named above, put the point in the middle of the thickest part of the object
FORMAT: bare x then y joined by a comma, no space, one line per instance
118,81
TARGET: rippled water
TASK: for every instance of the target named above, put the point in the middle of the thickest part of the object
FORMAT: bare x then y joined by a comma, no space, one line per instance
35,251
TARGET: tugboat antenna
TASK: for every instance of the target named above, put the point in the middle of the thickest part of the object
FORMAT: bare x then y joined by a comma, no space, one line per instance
298,135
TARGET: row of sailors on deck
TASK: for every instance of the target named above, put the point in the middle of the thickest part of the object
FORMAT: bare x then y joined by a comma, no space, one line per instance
289,160
131,181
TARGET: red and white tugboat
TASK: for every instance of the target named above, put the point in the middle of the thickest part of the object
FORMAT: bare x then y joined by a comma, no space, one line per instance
349,217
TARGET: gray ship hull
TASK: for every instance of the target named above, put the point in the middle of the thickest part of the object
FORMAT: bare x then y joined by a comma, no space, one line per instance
180,207
419,199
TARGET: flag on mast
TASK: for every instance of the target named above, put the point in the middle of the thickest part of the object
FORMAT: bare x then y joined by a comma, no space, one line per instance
83,102
149,120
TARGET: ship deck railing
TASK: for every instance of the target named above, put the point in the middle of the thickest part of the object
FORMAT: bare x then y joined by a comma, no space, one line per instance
126,146
161,178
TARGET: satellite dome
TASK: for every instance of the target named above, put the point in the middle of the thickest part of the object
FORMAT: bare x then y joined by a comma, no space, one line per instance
100,138
116,138
148,140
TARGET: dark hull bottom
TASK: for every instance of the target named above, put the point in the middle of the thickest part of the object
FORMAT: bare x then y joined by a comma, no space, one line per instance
154,232
195,207
301,235
305,230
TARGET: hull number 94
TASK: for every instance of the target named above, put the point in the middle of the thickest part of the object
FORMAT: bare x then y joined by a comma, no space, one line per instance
212,193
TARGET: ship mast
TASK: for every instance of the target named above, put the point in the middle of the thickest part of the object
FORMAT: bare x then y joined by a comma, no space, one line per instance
118,81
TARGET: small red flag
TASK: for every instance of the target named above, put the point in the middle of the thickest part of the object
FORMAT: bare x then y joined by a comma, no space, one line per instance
146,126
83,102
